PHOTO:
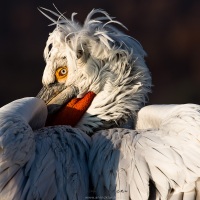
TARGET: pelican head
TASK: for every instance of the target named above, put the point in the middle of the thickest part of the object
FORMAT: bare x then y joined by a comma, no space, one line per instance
95,75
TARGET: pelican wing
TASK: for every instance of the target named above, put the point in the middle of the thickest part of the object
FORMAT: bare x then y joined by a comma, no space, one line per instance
159,163
48,163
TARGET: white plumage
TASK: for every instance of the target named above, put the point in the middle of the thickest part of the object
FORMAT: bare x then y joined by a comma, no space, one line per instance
129,155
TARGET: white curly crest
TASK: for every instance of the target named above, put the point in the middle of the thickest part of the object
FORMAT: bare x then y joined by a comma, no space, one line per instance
112,66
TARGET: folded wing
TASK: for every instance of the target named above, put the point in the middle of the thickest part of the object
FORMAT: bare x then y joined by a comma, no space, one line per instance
46,163
158,163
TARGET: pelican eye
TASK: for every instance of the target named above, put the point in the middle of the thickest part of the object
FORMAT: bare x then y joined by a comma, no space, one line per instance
61,73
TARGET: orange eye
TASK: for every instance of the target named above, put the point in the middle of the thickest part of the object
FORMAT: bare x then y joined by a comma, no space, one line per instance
61,73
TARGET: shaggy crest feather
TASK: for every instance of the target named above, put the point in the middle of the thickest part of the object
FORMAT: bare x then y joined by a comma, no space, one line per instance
112,66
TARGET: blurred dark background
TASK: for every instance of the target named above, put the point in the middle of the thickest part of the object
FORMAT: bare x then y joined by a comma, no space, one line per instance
168,30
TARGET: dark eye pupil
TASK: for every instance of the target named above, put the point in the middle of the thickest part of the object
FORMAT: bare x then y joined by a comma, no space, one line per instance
63,71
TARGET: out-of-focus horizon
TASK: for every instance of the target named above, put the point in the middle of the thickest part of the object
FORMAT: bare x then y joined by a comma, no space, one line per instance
169,31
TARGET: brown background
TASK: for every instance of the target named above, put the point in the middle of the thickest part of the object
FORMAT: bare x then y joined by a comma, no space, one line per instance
169,31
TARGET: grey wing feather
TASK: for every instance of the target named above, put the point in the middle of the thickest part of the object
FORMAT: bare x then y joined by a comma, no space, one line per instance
112,158
141,157
50,163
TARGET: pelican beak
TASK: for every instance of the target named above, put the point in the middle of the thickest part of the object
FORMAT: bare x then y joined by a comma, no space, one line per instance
63,108
56,95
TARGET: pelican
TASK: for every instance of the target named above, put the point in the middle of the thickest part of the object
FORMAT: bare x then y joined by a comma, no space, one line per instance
88,133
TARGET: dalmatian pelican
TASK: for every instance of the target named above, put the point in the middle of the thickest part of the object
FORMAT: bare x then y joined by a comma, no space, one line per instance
88,133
